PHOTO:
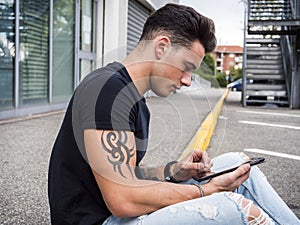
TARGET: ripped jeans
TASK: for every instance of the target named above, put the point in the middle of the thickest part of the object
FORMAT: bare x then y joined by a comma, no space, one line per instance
221,208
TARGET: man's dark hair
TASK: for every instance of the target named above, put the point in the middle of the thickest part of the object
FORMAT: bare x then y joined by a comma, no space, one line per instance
183,25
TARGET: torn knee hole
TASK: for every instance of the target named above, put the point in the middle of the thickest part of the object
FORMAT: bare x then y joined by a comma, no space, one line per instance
254,214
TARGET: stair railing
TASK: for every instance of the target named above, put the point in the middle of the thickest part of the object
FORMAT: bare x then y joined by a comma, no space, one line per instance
287,60
295,6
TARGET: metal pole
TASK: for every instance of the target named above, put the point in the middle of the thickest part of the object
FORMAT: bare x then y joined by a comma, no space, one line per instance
77,37
50,77
17,53
245,55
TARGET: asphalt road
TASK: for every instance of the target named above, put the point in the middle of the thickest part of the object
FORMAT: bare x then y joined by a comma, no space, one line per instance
25,148
175,120
263,131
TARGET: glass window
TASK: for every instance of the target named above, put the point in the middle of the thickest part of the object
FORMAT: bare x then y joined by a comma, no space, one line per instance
86,34
63,49
34,42
7,53
86,67
87,16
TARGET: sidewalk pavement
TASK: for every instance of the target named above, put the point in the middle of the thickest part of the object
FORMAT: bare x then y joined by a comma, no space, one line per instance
25,148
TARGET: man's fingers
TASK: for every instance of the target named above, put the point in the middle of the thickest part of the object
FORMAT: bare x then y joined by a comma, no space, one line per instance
242,173
243,169
202,157
205,159
197,155
202,166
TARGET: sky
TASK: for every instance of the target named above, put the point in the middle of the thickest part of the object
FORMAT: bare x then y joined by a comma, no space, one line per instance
228,16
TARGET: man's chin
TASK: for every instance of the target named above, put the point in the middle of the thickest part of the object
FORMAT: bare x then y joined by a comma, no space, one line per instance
162,94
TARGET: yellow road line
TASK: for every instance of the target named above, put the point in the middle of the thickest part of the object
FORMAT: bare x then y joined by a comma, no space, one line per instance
202,138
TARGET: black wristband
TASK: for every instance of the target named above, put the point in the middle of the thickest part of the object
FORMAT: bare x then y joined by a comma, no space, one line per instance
167,174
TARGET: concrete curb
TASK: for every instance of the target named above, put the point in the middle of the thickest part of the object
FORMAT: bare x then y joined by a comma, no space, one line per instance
202,137
31,116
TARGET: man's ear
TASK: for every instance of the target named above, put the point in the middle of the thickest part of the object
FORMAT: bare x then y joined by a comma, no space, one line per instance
162,45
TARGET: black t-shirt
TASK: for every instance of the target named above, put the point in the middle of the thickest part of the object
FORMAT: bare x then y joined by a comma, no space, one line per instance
108,100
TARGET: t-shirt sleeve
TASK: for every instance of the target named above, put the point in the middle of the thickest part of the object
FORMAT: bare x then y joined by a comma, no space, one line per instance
109,104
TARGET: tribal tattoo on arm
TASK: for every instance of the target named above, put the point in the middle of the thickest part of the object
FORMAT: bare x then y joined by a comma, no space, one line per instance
116,144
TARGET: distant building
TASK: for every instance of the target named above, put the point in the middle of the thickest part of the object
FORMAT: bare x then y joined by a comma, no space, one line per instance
47,47
227,56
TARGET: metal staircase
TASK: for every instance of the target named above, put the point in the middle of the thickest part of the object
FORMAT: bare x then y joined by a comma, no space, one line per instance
266,77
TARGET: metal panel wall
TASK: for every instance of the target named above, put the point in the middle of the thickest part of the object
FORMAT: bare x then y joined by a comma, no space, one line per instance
137,16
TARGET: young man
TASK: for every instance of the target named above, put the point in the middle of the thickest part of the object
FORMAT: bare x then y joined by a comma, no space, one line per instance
94,177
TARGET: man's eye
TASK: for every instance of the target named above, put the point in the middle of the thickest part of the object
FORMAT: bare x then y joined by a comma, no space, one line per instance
188,69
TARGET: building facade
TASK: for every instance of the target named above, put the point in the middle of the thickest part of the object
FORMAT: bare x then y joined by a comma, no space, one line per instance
48,46
226,56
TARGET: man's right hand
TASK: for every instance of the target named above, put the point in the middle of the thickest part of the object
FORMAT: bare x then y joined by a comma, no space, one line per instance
229,181
195,165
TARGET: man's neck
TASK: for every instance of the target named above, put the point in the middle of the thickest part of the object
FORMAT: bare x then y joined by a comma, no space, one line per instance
139,69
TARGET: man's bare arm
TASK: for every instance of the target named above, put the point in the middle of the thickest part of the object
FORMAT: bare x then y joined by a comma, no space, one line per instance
196,165
113,163
112,157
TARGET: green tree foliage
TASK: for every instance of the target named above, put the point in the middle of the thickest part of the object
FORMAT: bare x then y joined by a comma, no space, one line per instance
221,78
210,62
207,72
235,74
207,66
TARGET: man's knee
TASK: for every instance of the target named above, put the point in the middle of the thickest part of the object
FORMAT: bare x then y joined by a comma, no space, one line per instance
254,214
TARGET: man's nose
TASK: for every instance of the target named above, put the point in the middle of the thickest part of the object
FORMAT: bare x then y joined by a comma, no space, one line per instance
186,79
